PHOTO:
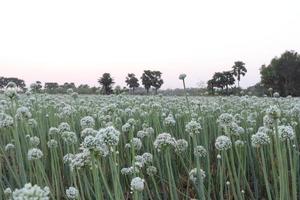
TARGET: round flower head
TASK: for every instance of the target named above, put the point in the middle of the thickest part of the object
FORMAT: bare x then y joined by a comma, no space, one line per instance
193,128
169,121
137,184
182,76
193,175
72,193
34,154
52,144
239,143
32,122
53,131
276,95
69,137
88,131
181,145
200,151
29,192
147,158
126,127
136,143
87,122
223,143
9,147
34,141
109,135
260,139
6,120
151,170
225,120
64,127
268,121
164,140
23,112
286,133
274,112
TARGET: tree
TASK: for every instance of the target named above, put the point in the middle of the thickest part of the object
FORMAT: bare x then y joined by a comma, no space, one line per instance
36,87
132,81
106,81
51,87
239,70
228,79
147,79
221,80
282,74
19,82
157,81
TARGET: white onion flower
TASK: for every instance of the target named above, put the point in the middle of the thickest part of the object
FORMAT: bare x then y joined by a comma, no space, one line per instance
223,143
137,184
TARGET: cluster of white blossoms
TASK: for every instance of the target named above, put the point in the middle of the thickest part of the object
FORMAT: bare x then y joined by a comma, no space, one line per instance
87,122
29,192
129,170
34,141
136,143
34,154
193,175
181,145
259,139
286,133
63,127
223,143
72,193
52,144
6,120
109,135
164,140
273,111
200,151
23,113
53,131
88,131
169,121
225,120
137,184
193,128
69,137
79,160
151,170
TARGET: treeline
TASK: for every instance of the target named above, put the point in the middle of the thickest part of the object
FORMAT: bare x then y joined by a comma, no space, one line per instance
281,76
151,81
222,82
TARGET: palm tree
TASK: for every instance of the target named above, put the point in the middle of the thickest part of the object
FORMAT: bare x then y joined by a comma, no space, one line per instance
239,70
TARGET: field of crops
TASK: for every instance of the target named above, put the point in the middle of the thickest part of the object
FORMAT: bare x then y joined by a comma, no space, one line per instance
148,147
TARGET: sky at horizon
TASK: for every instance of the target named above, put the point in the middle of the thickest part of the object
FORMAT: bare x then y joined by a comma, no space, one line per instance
77,41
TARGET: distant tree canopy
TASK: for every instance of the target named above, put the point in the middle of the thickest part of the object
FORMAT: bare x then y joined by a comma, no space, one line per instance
19,82
221,80
132,81
283,74
152,78
106,81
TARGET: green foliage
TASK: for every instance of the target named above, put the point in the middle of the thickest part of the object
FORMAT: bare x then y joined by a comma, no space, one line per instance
221,80
132,81
106,81
152,78
282,74
19,82
239,70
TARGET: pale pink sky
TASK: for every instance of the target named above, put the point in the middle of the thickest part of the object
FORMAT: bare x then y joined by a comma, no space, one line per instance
77,41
